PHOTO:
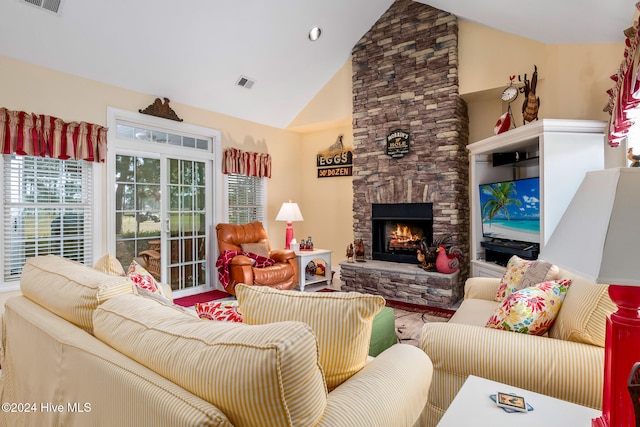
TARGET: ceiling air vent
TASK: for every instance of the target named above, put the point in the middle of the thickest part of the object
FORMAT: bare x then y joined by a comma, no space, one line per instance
50,5
245,82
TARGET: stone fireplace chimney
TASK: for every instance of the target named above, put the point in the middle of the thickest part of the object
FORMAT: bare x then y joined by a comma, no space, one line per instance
405,76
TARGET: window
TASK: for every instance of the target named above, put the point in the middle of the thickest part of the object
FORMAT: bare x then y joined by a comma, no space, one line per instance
246,198
47,208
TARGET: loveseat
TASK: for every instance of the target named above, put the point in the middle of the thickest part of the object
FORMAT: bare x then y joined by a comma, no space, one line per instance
81,347
567,363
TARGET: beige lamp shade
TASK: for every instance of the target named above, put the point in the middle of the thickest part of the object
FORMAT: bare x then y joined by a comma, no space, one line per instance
289,212
598,236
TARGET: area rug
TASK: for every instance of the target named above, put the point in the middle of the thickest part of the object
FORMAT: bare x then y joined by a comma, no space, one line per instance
409,322
410,318
192,300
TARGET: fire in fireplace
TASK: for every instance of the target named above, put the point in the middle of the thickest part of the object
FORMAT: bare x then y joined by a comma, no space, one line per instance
398,229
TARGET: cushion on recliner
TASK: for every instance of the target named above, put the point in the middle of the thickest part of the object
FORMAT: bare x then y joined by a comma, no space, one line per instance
254,374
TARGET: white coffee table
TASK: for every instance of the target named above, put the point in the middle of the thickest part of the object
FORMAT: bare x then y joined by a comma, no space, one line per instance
473,407
305,257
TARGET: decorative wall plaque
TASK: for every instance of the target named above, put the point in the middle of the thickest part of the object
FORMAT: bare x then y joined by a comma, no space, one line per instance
397,143
335,161
161,109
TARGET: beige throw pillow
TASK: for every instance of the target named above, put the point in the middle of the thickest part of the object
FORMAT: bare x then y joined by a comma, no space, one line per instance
342,322
110,265
256,248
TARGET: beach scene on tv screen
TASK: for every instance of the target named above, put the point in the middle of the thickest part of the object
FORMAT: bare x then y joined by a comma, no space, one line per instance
511,210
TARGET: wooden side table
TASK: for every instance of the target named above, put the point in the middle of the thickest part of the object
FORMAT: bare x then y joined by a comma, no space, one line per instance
473,407
305,257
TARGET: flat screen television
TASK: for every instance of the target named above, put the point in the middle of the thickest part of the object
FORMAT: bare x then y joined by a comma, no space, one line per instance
511,210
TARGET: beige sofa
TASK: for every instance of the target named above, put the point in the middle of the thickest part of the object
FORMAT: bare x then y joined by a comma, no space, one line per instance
80,348
567,364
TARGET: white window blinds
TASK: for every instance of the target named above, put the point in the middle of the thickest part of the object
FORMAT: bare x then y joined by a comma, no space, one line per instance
47,210
246,198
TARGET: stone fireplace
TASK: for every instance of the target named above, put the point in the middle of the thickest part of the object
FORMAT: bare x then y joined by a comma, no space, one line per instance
405,77
398,229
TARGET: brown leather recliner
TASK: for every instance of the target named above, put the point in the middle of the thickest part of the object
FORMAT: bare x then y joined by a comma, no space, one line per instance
282,275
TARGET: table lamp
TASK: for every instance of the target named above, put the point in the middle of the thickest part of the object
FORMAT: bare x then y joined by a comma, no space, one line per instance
598,237
289,212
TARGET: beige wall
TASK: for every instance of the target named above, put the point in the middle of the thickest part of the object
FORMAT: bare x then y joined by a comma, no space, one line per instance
572,84
328,210
331,107
35,89
572,79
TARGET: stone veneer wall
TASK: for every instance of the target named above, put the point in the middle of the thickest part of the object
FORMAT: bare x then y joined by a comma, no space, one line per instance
405,76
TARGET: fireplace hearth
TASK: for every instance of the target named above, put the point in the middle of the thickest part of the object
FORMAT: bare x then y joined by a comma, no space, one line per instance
398,229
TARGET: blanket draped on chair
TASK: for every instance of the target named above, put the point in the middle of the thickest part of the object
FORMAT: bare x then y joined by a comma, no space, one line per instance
225,258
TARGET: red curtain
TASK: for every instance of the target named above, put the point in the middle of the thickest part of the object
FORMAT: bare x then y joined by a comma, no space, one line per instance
625,95
39,135
240,162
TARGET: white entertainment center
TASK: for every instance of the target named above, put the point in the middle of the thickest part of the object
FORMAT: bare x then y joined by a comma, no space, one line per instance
559,152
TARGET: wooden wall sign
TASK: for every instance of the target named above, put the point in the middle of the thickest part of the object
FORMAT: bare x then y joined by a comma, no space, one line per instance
397,143
335,161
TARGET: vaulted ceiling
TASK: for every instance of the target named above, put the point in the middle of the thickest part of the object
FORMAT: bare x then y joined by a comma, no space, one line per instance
194,51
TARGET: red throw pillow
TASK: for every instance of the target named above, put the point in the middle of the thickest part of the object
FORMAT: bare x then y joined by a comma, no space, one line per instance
225,311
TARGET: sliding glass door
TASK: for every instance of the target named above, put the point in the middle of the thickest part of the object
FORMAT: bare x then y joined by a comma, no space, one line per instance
187,220
169,235
164,202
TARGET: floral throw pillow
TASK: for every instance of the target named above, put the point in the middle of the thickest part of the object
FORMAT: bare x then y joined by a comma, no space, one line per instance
142,278
226,311
531,310
521,274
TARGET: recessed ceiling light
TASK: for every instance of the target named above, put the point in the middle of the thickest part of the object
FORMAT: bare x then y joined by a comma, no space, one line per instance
314,34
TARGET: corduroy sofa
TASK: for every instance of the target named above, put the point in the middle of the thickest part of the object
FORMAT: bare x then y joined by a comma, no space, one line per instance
567,364
81,347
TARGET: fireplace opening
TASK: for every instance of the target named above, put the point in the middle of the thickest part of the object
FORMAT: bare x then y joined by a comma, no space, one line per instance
398,228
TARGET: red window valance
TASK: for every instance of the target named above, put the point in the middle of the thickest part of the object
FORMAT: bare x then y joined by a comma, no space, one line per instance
625,95
40,135
240,162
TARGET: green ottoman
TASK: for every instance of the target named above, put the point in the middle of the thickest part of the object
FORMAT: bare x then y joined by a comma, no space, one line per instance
383,332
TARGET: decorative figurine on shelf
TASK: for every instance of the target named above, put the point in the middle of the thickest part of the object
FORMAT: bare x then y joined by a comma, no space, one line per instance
360,251
448,263
509,94
531,103
635,159
422,259
306,245
429,250
350,252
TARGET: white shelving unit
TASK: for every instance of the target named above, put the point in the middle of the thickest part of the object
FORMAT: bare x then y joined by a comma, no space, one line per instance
560,152
304,257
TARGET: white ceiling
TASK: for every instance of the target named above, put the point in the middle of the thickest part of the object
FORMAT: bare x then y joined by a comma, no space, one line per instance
194,51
